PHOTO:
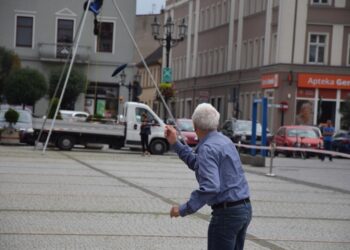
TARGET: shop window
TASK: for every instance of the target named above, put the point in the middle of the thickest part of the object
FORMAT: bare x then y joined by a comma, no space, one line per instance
24,31
105,37
317,49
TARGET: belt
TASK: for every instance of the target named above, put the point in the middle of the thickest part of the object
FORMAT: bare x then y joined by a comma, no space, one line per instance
230,203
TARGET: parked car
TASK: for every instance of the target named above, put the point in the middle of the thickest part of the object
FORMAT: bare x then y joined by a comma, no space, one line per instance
299,136
241,131
72,115
187,131
341,141
24,125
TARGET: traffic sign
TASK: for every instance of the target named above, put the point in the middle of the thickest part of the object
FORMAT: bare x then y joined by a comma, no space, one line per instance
167,75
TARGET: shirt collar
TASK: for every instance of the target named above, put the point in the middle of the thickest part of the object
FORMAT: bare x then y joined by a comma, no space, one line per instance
210,134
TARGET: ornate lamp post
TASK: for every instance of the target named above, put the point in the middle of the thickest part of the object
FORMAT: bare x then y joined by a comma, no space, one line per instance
120,83
168,41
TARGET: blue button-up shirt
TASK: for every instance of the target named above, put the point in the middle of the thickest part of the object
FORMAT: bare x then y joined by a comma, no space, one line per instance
218,170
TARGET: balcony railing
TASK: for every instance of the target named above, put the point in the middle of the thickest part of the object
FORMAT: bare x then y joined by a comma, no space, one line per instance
60,52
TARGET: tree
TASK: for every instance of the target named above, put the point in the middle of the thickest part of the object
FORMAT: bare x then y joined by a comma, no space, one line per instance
345,111
9,61
75,86
11,116
24,87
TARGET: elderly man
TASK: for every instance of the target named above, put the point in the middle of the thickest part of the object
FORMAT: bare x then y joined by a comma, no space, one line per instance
222,183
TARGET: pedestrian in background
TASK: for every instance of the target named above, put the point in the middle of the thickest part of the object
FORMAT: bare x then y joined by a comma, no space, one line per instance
221,179
145,131
327,133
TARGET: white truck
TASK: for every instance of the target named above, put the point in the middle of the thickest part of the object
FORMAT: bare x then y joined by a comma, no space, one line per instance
126,133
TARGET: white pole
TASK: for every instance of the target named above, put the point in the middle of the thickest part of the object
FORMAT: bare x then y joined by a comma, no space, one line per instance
75,48
143,60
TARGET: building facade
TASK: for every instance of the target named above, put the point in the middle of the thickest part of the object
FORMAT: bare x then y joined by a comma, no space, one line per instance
295,53
42,32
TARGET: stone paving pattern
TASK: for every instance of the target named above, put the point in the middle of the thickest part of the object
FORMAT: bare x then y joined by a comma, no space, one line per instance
91,199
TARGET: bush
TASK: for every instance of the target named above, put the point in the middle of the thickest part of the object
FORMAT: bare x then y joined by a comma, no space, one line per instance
11,116
25,87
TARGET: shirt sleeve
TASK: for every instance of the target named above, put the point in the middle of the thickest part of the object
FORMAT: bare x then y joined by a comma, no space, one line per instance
186,154
208,179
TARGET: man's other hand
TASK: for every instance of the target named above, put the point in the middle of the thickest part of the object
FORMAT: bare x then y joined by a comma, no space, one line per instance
174,212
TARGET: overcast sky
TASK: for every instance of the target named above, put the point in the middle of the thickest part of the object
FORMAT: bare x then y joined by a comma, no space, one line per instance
149,6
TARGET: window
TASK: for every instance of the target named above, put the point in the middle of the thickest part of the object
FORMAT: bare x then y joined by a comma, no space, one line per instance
65,30
24,31
317,48
321,2
105,38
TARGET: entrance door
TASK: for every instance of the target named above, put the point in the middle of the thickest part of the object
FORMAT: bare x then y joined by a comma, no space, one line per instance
327,111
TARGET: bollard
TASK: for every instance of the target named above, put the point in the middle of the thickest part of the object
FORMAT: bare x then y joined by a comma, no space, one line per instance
272,150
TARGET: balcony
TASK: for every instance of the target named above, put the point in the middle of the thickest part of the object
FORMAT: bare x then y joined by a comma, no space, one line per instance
58,52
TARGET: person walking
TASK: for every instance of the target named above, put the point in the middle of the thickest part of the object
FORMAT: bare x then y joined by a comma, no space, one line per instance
221,179
145,131
327,133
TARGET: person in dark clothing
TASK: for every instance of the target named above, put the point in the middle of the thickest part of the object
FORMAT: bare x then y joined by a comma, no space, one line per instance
145,132
328,132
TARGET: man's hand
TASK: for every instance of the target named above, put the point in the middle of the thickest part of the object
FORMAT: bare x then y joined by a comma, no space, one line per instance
170,134
174,212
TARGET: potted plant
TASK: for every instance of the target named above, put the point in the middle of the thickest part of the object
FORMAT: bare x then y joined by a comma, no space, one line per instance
10,134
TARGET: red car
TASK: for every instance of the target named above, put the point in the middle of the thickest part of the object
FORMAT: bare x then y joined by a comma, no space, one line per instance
299,136
187,131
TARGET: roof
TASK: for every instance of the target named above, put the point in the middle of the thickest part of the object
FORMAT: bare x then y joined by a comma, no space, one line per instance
154,58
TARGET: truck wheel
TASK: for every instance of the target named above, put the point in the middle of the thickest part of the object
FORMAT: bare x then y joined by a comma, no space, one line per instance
158,147
65,142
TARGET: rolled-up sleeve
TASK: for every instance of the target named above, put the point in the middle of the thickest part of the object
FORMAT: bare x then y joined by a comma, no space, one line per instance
207,174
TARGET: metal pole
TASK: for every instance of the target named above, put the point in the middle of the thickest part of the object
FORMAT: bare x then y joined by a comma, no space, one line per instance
253,139
264,125
75,49
272,150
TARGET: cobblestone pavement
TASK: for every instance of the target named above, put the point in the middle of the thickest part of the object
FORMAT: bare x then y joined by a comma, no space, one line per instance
87,199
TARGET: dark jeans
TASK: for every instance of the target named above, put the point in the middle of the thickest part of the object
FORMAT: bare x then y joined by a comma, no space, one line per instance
144,142
228,227
327,145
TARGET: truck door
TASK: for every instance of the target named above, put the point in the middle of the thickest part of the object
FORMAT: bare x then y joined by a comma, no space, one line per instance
133,138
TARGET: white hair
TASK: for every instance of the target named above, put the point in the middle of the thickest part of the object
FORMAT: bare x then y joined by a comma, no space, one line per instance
206,117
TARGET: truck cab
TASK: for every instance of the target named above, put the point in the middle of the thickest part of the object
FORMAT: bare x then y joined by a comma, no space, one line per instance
132,118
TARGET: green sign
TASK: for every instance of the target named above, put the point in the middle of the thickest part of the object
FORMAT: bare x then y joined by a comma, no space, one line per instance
167,75
101,107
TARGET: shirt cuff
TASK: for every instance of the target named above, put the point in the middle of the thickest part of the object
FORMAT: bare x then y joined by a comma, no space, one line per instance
177,146
183,210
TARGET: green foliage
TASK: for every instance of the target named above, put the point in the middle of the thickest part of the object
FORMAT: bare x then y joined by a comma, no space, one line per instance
54,104
9,62
11,116
345,111
75,86
24,87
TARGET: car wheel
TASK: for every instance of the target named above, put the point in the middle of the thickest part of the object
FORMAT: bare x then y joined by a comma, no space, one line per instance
158,147
66,142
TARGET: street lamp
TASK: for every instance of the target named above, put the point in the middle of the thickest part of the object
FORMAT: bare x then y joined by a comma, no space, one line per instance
167,40
120,83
